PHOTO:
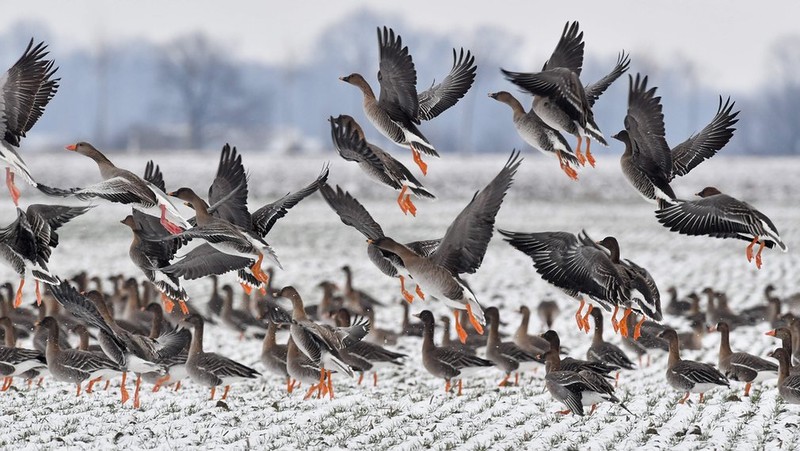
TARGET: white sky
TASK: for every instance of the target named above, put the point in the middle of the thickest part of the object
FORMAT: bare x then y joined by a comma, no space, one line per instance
729,41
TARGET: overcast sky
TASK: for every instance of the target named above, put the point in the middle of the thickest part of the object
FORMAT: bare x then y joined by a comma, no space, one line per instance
728,40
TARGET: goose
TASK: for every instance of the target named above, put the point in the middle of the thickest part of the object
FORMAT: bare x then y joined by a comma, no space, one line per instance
446,363
786,336
372,356
788,384
719,215
400,108
301,369
605,352
174,367
27,243
14,361
210,369
687,375
560,98
533,344
461,250
349,141
534,131
507,356
741,366
648,162
273,355
124,187
572,364
26,88
579,269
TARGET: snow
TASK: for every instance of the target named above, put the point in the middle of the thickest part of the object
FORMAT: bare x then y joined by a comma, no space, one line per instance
409,409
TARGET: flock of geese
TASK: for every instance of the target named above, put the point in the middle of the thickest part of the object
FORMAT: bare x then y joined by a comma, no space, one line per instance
339,335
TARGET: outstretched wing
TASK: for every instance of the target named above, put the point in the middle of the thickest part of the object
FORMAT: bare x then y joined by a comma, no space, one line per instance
464,245
265,217
596,89
569,50
438,98
351,212
204,261
227,195
152,174
706,144
397,77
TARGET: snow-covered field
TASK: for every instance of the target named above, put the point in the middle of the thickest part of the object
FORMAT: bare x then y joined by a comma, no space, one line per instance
409,409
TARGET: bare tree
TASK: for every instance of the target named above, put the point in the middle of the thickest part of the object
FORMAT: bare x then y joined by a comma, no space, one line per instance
208,85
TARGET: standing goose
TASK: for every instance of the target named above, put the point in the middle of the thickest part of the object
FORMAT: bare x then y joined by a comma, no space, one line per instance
124,187
353,214
358,300
648,162
227,196
461,250
687,375
26,89
534,131
26,243
548,310
210,369
605,352
648,339
322,344
786,336
533,344
788,384
273,355
352,145
507,356
373,355
240,321
576,389
150,254
721,216
560,99
130,351
741,366
174,366
72,365
580,270
571,364
676,306
14,361
443,362
400,108
302,370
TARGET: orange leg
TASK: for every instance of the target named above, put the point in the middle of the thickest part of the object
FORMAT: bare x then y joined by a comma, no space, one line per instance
637,331
571,173
289,385
758,254
18,298
701,397
516,378
136,402
406,295
310,391
614,322
586,318
30,384
261,276
504,382
77,390
683,400
748,252
589,156
460,385
616,380
178,386
375,379
623,323
578,154
11,187
91,384
462,334
6,383
419,292
108,384
39,293
360,378
418,159
213,392
330,384
474,321
447,386
184,307
578,316
159,382
410,205
225,393
169,226
123,390
747,389
168,304
564,412
401,200
247,288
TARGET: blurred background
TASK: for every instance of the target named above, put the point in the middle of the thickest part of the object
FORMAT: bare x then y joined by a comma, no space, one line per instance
192,75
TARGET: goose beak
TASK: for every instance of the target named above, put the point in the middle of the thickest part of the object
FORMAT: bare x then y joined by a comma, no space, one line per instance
417,315
771,333
370,241
72,147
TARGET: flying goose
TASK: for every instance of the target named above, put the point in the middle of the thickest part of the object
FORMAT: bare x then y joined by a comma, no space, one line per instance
348,138
560,98
400,108
26,243
461,250
26,89
719,215
648,162
534,131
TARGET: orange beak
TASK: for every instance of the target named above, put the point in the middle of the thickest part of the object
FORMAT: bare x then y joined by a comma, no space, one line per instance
771,333
71,147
